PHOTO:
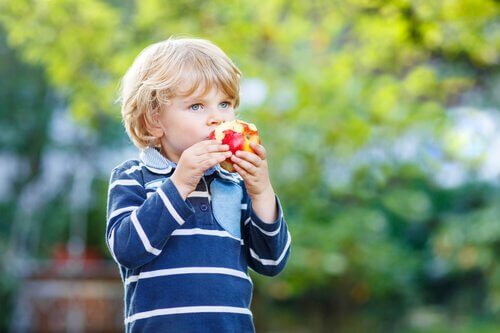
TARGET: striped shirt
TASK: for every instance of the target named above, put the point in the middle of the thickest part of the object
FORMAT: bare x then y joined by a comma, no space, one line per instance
184,264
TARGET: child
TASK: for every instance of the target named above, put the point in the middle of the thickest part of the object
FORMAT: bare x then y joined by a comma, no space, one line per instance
183,230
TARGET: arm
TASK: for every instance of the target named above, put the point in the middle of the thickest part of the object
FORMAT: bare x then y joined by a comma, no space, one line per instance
138,227
266,234
267,244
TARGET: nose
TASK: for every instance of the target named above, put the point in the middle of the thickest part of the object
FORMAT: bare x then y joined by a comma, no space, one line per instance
213,121
215,117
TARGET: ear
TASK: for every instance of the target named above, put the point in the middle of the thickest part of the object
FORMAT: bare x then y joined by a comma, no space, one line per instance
153,125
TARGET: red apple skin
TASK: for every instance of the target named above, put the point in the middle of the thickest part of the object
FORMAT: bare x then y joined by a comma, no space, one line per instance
236,140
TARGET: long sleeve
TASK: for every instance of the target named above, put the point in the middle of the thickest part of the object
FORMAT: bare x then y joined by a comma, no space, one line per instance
138,226
268,244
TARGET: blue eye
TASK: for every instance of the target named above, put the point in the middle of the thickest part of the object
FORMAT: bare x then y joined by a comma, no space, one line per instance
224,105
195,107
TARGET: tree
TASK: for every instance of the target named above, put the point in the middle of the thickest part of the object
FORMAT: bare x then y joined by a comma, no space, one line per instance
345,81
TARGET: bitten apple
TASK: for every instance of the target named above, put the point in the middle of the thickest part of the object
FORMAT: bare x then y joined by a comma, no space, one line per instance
238,135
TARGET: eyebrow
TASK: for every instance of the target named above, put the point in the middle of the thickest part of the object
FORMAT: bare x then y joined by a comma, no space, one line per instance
193,100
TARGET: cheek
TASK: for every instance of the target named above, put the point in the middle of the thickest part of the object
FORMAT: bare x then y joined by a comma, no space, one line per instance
230,115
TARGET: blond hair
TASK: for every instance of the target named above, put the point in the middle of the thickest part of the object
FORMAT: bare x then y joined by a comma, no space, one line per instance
156,73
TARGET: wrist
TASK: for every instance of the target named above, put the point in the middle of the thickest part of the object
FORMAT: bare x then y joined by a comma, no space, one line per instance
264,206
265,196
183,190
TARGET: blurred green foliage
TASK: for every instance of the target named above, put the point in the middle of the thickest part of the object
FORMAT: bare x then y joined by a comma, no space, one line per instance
368,253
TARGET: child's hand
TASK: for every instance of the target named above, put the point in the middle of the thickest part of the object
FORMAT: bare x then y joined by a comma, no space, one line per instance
195,161
254,171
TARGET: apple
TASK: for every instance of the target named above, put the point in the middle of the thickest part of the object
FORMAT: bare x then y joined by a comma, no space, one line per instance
238,135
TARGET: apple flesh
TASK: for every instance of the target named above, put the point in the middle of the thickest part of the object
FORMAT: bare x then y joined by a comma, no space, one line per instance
238,135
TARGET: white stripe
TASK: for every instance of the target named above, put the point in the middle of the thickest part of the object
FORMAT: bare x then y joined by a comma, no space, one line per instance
117,212
268,233
112,244
199,194
228,177
170,207
205,182
142,235
206,191
187,309
247,221
187,270
244,206
270,262
154,184
198,231
134,168
124,182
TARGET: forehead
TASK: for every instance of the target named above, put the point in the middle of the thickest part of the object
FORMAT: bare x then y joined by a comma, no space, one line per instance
188,85
197,86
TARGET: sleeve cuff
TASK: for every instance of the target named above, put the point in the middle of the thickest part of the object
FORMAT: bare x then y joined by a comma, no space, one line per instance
183,208
268,226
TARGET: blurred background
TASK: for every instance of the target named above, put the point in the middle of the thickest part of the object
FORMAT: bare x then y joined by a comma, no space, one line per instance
382,123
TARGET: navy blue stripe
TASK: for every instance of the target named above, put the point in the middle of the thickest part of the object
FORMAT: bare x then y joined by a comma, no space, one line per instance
191,290
218,252
204,322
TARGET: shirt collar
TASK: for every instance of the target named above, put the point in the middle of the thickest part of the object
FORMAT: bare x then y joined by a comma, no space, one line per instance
159,164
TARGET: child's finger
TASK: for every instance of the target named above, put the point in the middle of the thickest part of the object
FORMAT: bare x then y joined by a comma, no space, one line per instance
220,155
217,148
247,166
210,146
208,143
259,150
241,171
250,157
213,159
